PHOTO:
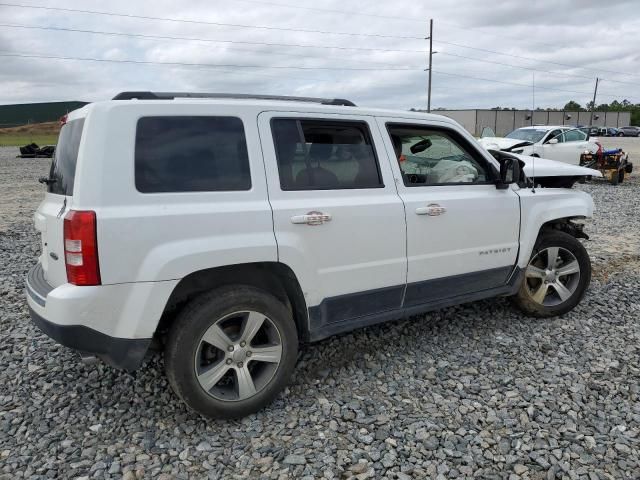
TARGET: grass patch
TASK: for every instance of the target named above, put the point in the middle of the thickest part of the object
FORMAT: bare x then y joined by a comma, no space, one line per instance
18,140
40,133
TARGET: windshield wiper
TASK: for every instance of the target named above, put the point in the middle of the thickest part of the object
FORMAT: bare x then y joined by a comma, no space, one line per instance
517,145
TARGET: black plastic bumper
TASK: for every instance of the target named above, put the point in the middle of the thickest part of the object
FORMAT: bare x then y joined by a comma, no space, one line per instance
124,353
121,353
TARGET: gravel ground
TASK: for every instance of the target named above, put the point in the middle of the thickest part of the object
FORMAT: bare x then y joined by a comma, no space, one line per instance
472,391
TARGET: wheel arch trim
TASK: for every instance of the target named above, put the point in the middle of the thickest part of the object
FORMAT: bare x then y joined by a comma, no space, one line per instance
273,277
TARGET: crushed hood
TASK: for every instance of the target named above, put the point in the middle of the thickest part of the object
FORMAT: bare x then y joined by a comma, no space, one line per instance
498,143
552,168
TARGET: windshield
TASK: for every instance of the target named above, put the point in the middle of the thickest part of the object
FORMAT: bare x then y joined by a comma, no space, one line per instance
528,134
487,132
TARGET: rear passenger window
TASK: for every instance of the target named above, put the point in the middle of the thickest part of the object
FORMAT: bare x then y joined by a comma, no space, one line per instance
324,155
191,154
574,136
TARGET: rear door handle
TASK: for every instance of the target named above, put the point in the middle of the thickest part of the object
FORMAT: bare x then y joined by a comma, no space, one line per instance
433,210
311,218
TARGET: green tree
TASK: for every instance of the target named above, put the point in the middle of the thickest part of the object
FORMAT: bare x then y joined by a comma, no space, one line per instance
573,106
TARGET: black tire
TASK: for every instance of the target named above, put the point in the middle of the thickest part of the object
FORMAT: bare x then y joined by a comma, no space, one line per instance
523,299
621,176
621,134
184,343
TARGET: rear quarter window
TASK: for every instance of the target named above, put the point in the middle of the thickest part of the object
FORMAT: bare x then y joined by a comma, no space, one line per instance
191,154
65,158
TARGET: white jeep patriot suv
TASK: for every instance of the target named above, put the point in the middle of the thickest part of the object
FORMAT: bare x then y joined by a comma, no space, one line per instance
231,228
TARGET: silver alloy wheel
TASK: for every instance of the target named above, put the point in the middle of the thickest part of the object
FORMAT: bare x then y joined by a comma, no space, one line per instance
238,356
552,276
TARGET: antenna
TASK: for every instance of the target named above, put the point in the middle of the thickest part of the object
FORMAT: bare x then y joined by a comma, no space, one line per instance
533,109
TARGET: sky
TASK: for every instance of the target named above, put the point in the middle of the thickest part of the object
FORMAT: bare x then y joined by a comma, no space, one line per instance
501,53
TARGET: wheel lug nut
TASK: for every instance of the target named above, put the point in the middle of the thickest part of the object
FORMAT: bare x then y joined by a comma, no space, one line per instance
248,354
242,344
239,364
229,361
230,348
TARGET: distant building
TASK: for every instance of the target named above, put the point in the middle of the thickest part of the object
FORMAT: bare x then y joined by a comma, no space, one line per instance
505,121
23,113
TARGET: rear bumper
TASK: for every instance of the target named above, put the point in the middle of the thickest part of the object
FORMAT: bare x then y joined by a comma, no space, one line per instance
113,322
121,353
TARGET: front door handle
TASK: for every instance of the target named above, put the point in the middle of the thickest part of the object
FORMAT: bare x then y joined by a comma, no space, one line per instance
433,210
311,218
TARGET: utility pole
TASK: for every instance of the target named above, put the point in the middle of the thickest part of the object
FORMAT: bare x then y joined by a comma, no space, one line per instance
593,105
533,95
430,63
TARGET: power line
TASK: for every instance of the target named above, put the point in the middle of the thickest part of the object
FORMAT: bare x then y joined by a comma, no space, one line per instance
221,70
189,39
534,69
514,66
218,66
208,40
207,65
535,59
330,10
524,84
496,35
212,40
203,22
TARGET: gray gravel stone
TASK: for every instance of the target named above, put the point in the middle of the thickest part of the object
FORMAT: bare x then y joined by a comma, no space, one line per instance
471,391
295,460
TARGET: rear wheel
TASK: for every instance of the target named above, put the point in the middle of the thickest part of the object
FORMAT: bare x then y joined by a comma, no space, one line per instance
231,351
556,277
621,176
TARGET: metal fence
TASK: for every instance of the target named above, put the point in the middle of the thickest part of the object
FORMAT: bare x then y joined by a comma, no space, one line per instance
505,121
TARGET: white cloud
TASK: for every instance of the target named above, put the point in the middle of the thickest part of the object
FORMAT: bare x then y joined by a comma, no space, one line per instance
571,32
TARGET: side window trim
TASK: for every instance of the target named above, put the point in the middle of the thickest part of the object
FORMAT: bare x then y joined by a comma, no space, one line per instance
361,123
463,144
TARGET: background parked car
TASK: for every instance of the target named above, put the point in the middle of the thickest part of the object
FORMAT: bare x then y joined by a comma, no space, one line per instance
561,143
604,132
630,131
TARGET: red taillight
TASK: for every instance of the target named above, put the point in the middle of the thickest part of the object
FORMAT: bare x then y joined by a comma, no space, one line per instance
81,248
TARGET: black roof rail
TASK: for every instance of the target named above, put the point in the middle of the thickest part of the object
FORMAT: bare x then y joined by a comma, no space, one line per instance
172,95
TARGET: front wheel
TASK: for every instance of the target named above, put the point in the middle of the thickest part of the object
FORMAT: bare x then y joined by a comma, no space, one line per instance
556,277
231,351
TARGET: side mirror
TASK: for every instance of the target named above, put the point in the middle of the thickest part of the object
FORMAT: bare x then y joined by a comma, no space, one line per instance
510,172
553,141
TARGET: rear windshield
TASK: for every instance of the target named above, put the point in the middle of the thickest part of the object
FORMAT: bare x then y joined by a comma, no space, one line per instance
63,166
191,154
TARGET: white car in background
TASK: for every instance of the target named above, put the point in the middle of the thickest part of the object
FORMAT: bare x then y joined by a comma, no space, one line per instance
561,143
